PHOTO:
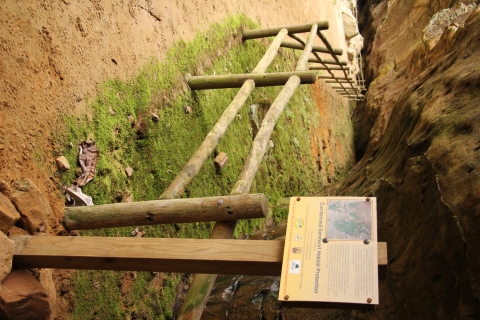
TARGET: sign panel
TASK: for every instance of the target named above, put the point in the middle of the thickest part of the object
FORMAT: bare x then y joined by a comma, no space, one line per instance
331,251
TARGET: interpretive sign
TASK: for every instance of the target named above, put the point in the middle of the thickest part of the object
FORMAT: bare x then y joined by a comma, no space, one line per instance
331,255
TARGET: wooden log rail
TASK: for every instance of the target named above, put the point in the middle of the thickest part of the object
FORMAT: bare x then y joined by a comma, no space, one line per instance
225,256
328,61
195,163
293,45
156,212
270,32
260,79
320,67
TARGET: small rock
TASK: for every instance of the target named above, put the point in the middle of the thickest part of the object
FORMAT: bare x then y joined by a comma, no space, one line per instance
270,144
70,145
187,109
129,172
119,196
128,196
155,117
4,187
16,231
111,111
239,117
65,286
8,214
131,120
351,54
349,25
78,172
7,247
62,163
23,297
32,206
2,146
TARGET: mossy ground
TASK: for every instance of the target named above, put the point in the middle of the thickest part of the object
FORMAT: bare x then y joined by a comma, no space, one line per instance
158,150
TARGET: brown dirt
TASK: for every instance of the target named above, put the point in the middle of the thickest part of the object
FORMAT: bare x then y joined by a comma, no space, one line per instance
54,55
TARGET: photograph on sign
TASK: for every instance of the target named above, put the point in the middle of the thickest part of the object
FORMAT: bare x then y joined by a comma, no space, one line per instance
331,252
349,220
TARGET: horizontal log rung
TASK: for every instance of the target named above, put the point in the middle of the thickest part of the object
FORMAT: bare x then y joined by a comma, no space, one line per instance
260,79
270,32
222,208
293,45
327,61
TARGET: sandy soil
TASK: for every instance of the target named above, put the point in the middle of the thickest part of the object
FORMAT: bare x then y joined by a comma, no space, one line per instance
54,54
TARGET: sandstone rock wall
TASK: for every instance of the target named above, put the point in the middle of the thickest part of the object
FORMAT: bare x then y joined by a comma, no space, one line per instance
418,137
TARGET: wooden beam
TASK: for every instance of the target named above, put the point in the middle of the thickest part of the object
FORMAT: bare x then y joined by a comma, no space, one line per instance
156,212
269,32
260,79
208,256
293,45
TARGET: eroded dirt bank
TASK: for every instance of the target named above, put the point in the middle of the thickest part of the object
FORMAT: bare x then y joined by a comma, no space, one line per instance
55,54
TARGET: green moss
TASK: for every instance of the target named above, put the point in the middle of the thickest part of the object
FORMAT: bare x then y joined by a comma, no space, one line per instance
157,151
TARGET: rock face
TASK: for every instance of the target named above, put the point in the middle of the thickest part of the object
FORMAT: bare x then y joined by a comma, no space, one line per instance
349,25
8,214
418,137
23,298
31,205
7,247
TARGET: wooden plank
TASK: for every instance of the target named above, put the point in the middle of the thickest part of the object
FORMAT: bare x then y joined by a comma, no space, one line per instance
149,254
222,208
260,79
269,32
209,256
315,48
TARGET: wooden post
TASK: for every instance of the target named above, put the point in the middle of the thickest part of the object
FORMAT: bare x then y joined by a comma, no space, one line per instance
193,166
219,256
260,79
300,28
293,45
202,284
166,211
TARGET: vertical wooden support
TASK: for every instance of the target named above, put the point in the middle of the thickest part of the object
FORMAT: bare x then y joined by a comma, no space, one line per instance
193,166
202,284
